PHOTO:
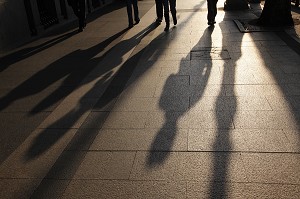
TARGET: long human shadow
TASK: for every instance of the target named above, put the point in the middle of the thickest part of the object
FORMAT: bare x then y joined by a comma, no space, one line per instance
170,99
68,163
42,143
165,137
71,68
60,34
24,53
225,110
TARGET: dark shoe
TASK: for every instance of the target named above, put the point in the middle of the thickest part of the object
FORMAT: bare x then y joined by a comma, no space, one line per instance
158,21
211,23
130,25
167,27
137,21
80,29
175,21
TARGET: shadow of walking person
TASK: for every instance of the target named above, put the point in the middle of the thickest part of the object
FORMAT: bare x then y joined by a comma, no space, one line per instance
69,161
19,55
225,111
178,97
78,110
70,69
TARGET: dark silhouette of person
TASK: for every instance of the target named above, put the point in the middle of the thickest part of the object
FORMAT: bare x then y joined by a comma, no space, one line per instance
78,7
173,10
134,4
162,9
212,11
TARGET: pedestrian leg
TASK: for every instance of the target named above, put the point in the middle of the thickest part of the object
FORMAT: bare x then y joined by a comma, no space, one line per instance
81,14
129,13
211,11
173,10
159,11
136,11
166,14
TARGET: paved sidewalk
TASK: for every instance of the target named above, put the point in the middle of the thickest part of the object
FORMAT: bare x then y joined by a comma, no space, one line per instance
196,112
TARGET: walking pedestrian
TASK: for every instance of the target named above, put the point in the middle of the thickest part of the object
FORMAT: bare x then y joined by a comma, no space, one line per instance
134,4
212,11
162,9
78,7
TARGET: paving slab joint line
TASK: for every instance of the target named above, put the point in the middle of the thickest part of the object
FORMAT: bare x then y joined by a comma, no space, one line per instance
190,151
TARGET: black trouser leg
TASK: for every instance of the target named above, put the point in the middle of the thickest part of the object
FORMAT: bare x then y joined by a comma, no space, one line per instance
129,12
173,9
81,13
166,11
212,10
159,9
166,14
136,10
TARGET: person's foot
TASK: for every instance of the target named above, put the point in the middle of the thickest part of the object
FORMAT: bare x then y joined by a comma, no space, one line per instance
158,21
137,21
130,25
80,29
167,27
175,21
211,23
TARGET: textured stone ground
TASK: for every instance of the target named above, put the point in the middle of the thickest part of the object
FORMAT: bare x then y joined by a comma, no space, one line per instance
196,112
